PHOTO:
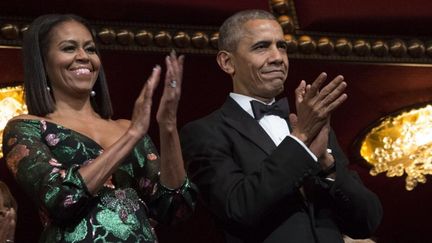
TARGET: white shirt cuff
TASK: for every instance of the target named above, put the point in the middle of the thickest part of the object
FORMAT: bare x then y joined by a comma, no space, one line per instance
305,147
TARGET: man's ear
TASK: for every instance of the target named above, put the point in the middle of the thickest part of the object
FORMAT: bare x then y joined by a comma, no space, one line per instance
225,61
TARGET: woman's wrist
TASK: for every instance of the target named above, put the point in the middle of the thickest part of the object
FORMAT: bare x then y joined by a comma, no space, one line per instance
134,133
174,189
167,127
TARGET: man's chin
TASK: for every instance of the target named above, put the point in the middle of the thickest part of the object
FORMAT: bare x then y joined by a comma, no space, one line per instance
275,92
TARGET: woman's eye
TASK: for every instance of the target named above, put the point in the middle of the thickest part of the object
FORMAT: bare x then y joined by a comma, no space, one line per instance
91,49
68,48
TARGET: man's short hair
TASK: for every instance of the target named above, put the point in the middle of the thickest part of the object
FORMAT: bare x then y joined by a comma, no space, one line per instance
231,30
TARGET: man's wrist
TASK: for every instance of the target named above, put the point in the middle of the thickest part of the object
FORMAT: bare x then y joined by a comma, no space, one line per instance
329,170
328,164
327,159
301,137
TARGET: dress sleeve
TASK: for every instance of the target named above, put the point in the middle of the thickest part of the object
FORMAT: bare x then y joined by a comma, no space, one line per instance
58,191
166,205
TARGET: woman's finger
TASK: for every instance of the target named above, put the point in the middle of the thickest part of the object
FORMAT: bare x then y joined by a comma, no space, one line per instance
174,65
151,83
180,67
170,78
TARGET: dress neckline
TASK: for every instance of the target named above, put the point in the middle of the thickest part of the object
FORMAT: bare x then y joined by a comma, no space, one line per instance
62,127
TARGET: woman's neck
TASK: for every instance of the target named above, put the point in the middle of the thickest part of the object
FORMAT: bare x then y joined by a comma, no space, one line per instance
75,109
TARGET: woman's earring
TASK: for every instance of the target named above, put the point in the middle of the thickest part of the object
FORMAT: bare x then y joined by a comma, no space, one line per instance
92,93
48,88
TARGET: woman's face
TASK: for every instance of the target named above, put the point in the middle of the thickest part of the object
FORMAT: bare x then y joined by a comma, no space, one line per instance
71,62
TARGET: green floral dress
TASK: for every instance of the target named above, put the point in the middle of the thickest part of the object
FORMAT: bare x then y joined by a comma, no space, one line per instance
45,158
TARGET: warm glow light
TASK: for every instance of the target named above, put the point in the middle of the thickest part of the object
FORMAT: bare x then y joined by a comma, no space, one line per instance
11,104
401,144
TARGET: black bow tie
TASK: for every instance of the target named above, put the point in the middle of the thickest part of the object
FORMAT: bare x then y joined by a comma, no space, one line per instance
279,108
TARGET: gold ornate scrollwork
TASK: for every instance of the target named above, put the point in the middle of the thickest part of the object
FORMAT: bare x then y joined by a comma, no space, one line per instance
400,144
11,104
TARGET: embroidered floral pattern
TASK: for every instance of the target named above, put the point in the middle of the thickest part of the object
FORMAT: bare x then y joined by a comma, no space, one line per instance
52,139
43,126
54,162
145,183
151,156
122,201
109,183
48,158
11,141
69,200
17,153
57,168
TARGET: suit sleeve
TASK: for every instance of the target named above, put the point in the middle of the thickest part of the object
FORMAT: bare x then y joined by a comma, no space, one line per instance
358,210
237,198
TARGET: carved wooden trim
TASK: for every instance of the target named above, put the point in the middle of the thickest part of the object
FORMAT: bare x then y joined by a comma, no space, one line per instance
130,36
345,47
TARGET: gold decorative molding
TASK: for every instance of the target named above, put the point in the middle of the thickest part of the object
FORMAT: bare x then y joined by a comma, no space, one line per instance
131,36
157,38
344,47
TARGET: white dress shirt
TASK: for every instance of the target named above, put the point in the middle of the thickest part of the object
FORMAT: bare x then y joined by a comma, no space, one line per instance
275,126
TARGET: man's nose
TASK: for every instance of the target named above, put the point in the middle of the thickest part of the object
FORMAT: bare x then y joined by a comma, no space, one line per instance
276,55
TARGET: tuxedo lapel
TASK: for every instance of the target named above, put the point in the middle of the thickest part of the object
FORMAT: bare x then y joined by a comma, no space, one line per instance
289,125
241,121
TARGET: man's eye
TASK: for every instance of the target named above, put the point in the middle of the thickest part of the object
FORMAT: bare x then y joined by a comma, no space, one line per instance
258,47
283,46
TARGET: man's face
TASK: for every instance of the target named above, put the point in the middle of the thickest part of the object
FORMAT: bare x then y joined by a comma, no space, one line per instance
260,62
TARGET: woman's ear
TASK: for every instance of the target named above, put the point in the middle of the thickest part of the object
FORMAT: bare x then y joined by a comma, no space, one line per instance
225,61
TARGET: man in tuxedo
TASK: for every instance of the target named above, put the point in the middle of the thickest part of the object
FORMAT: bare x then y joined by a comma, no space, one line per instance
265,175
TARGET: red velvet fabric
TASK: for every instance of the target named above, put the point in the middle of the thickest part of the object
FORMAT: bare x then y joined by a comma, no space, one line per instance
373,91
191,12
390,17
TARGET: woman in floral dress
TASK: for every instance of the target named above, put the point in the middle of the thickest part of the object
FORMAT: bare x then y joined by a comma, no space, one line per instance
92,178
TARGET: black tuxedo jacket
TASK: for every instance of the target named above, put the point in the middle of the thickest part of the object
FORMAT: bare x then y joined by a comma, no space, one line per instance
252,187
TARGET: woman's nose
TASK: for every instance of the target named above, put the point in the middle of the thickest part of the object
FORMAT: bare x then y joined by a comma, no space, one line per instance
82,54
